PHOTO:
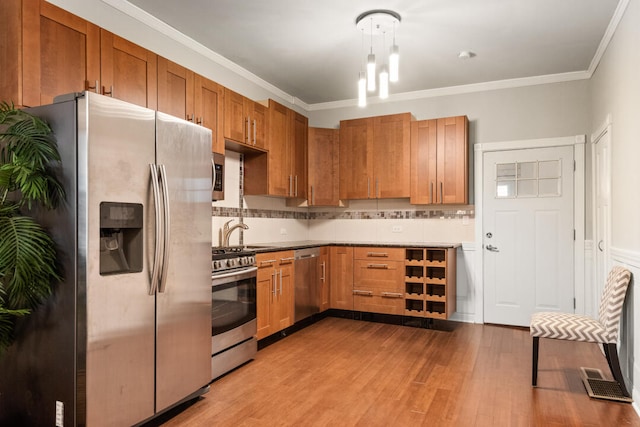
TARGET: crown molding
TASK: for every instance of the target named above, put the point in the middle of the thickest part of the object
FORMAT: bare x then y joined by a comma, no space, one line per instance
458,90
608,35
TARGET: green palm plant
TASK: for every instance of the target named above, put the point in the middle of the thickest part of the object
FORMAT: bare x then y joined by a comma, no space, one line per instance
28,264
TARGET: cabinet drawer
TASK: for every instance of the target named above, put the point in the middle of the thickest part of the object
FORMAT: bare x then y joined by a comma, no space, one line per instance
380,275
373,253
377,303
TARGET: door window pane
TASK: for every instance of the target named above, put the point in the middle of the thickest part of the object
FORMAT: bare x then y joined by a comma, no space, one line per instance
549,169
529,179
506,189
505,171
527,170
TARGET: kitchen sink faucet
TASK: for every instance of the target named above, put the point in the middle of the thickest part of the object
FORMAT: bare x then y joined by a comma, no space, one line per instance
225,232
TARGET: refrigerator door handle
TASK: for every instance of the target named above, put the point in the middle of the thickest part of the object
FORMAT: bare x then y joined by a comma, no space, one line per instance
158,230
167,229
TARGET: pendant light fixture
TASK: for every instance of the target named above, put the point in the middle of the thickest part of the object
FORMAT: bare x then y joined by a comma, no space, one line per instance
377,23
384,76
394,58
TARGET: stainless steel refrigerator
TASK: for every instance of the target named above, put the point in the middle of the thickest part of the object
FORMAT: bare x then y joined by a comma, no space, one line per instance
127,335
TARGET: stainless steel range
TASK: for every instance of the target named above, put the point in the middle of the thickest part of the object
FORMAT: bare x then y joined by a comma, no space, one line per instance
233,313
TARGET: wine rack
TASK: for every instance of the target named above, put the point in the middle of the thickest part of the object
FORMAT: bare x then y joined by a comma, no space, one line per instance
430,285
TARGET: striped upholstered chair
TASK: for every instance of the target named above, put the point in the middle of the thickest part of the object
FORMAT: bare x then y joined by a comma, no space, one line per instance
575,327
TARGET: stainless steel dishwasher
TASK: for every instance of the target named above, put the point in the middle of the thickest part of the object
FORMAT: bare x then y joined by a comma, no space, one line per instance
307,292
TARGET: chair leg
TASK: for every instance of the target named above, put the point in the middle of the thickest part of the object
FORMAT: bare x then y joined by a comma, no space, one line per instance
614,364
534,364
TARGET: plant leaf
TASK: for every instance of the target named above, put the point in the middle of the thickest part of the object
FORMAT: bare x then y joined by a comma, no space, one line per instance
27,262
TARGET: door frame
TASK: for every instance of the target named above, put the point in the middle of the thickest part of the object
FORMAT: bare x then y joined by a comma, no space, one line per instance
603,130
578,144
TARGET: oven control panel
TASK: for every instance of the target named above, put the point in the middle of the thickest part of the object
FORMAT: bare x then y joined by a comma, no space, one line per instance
225,259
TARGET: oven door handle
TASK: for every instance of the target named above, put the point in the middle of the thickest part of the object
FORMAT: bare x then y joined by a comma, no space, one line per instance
233,276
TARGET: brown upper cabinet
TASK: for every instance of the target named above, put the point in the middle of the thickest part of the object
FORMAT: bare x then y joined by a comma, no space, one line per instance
209,108
283,171
323,152
189,96
440,161
375,157
46,52
245,121
51,52
175,90
128,71
298,141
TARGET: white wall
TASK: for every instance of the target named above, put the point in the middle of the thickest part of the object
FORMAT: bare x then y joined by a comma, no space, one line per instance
615,90
541,111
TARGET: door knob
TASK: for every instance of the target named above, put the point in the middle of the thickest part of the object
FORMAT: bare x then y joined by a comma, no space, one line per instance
492,248
600,246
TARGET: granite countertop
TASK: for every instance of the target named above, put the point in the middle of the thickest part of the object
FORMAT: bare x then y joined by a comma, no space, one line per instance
301,244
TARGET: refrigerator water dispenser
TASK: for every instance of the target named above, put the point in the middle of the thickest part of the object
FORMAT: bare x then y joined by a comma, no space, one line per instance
120,238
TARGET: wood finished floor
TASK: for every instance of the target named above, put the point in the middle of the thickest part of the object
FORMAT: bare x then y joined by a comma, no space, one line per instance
342,372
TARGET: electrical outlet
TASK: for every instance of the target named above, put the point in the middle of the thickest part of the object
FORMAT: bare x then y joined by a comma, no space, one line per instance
283,231
59,414
396,229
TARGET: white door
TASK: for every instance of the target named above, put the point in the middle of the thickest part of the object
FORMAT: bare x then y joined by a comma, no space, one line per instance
602,220
528,233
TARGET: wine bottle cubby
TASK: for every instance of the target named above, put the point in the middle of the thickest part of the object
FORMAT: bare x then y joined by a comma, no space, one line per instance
430,285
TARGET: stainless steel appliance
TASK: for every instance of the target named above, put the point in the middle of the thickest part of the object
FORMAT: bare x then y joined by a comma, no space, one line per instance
233,309
307,287
127,334
217,181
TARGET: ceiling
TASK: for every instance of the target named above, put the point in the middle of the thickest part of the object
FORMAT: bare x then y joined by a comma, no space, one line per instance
313,51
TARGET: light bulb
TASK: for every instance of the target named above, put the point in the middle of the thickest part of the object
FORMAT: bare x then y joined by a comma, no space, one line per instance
371,72
394,60
384,83
362,90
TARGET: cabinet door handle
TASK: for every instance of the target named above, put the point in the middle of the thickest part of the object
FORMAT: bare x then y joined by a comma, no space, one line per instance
441,191
95,88
378,254
255,132
109,92
199,120
359,292
267,261
431,192
247,135
312,198
287,259
378,266
273,282
391,295
280,282
324,266
296,192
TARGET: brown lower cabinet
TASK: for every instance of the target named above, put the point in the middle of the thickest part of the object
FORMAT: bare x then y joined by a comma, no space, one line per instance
275,292
378,275
341,277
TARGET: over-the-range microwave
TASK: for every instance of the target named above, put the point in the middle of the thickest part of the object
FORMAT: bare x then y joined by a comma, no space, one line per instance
217,163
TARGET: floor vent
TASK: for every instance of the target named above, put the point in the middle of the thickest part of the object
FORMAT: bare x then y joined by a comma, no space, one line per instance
600,388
